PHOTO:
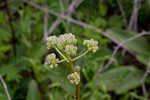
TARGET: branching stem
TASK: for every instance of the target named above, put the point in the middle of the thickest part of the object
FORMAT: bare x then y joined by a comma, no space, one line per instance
76,58
61,54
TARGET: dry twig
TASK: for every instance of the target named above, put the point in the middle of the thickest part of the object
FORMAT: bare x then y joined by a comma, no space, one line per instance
134,17
122,12
45,25
5,87
144,90
146,74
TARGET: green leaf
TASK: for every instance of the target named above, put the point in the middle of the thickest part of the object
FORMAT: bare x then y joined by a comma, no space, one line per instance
115,21
120,79
3,97
33,91
139,45
11,72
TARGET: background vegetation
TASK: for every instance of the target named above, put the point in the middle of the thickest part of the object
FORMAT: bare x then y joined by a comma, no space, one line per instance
117,71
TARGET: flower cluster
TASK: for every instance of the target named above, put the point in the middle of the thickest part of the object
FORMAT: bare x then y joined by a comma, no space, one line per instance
74,78
71,50
51,60
67,39
91,45
64,42
51,41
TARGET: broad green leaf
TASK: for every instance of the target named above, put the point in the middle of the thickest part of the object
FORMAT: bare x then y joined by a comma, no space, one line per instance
139,45
11,72
33,91
120,79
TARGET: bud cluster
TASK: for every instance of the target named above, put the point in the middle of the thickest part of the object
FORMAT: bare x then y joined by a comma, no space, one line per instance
64,42
74,78
51,60
71,50
91,45
51,42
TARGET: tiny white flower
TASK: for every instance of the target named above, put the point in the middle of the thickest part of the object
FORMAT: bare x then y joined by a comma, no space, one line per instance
92,45
70,50
66,39
51,60
51,41
74,78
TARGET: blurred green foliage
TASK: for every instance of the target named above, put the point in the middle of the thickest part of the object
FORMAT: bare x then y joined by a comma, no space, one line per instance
26,75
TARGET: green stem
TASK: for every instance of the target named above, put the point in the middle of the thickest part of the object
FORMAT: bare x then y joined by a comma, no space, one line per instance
61,54
61,60
71,66
77,86
70,61
78,92
76,58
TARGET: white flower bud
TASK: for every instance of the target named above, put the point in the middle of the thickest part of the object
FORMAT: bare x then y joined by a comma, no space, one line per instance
51,41
74,78
77,68
51,60
70,50
91,45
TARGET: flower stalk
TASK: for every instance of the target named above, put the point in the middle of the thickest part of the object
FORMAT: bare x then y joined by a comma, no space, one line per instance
78,85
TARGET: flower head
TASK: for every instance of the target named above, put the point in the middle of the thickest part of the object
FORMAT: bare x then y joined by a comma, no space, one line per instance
51,41
51,60
66,39
70,50
74,78
91,45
